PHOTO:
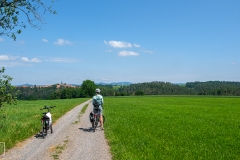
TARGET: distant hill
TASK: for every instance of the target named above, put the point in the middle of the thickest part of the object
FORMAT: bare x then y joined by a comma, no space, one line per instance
100,83
115,83
24,85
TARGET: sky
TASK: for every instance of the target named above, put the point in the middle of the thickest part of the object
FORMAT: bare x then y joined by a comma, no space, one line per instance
127,41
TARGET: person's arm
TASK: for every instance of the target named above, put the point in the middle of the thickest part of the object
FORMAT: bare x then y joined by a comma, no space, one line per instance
102,102
92,101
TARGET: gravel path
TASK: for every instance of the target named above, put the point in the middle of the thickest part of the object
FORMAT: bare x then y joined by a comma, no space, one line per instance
72,139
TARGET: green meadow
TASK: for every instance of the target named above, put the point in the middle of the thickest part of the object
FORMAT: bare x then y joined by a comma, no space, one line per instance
173,127
147,127
21,121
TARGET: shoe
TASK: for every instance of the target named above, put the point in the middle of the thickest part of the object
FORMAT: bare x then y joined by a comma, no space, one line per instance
101,128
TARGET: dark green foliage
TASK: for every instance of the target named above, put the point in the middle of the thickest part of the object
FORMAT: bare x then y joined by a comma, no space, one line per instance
88,88
156,88
191,88
149,88
223,88
139,93
107,90
37,93
7,94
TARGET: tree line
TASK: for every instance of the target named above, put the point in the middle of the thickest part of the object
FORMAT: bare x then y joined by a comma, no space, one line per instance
87,89
221,88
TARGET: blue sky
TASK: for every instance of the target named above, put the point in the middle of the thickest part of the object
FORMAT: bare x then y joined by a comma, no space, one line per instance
128,40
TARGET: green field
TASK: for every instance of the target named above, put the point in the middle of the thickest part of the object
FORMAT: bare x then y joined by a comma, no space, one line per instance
148,127
173,127
18,122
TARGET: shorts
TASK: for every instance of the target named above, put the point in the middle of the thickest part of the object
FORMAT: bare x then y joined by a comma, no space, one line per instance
97,110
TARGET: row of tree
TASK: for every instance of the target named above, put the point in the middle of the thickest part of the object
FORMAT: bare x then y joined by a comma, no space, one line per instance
10,94
53,92
222,88
88,87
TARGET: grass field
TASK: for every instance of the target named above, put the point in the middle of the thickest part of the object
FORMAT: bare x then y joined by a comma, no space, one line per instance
173,127
18,122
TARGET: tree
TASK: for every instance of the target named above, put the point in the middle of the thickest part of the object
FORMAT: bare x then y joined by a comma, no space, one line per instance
11,10
139,93
88,88
7,94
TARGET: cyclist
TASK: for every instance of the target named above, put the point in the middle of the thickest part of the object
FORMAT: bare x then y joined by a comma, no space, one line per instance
97,102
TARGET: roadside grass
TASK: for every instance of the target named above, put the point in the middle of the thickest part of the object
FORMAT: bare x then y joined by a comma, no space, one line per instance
84,109
58,149
81,113
173,127
22,121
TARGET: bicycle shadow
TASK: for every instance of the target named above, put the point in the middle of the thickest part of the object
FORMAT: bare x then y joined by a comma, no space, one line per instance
38,135
90,129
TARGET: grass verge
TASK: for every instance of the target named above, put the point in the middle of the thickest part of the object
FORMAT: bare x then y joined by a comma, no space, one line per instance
58,149
81,113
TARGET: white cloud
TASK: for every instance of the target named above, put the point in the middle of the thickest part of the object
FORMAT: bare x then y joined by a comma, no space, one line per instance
6,57
25,59
1,39
136,45
35,60
127,53
44,40
62,42
118,44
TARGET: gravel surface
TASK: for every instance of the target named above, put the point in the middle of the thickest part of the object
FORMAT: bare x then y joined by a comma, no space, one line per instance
72,139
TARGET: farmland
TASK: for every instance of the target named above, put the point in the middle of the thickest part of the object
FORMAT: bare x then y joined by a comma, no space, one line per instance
173,127
146,127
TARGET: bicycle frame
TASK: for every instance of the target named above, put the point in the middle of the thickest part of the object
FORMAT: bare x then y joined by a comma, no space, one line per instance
46,121
96,120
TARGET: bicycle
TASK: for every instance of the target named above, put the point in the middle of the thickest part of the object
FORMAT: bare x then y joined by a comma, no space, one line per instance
46,121
95,119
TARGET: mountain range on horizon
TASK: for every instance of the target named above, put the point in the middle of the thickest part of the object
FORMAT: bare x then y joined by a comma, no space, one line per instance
100,83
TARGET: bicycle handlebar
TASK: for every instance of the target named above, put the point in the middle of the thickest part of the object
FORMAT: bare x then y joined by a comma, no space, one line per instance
47,107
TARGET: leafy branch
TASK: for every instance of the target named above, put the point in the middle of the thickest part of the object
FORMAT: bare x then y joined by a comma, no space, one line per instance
11,10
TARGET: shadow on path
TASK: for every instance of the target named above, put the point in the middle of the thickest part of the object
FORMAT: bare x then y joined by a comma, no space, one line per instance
87,129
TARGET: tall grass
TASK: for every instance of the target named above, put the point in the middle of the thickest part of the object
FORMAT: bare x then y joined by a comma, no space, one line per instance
21,121
173,127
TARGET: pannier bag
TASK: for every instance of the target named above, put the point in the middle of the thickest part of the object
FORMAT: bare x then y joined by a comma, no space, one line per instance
91,117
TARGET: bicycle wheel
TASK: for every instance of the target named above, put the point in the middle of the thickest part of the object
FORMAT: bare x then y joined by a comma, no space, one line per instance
93,123
43,131
46,127
103,118
51,129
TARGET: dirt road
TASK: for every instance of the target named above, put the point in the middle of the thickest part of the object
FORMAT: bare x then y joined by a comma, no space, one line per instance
72,139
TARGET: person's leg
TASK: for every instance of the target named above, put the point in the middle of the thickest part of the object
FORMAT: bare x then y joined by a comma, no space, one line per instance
101,120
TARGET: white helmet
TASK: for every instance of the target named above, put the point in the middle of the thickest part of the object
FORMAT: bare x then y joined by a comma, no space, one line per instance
97,90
